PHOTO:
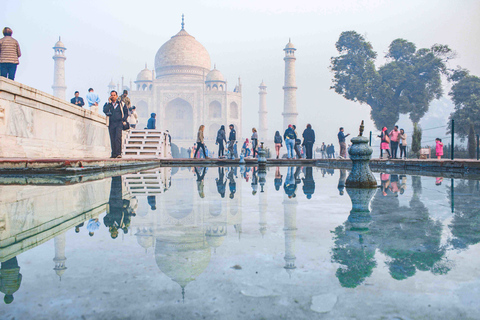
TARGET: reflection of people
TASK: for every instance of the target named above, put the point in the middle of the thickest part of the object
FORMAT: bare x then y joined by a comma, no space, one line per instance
394,184
254,181
385,179
221,182
152,202
438,181
92,226
290,186
231,182
403,184
119,212
341,182
278,179
200,183
10,279
308,183
78,226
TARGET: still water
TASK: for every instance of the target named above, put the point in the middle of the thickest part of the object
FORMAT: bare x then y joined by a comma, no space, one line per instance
238,243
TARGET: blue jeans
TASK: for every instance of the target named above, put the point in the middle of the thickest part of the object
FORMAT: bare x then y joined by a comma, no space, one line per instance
290,143
8,70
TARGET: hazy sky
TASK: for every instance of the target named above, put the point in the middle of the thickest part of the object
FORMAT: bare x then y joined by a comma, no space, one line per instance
108,39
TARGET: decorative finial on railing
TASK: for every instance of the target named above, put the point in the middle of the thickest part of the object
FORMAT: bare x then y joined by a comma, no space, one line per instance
362,127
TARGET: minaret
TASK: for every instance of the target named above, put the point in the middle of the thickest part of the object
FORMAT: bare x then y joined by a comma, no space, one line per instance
111,87
262,113
290,88
290,230
59,86
60,255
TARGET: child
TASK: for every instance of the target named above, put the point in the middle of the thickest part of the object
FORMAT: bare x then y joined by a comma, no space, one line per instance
439,148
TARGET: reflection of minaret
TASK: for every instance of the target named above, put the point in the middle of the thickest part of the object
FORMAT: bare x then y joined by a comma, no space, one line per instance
290,87
262,113
290,229
60,255
59,86
262,202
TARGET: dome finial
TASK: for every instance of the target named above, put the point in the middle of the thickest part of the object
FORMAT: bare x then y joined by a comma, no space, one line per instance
183,22
145,65
214,66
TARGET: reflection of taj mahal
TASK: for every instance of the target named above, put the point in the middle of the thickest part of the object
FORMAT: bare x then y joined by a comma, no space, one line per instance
185,92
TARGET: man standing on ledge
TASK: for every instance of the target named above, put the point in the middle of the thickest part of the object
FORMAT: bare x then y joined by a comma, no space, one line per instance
78,101
343,145
117,118
93,100
9,54
231,141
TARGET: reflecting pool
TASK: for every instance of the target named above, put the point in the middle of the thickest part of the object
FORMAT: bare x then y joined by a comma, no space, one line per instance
239,243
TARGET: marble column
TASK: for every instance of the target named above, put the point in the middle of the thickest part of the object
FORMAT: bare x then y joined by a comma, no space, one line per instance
262,113
60,255
290,230
59,57
290,87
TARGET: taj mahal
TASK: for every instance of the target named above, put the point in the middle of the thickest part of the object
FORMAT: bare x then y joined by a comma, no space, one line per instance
185,92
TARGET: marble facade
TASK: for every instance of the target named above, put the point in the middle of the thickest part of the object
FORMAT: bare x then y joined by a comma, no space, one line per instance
34,124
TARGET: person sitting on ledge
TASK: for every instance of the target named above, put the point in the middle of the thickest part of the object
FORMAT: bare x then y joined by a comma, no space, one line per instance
77,100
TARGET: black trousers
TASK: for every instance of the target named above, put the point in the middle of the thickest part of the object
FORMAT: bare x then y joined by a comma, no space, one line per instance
394,147
115,130
221,149
403,151
309,150
202,145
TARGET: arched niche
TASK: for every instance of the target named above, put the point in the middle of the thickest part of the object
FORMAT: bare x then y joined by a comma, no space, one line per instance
179,119
234,110
215,110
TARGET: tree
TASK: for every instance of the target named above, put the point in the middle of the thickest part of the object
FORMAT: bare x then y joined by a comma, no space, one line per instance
465,94
472,145
416,139
406,84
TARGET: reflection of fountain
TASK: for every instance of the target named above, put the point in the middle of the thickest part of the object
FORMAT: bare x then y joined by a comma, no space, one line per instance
60,255
354,249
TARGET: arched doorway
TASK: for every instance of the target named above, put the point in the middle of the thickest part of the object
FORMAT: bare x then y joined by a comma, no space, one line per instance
233,110
142,112
215,110
179,119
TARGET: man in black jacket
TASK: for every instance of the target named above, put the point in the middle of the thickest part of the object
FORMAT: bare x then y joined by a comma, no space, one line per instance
231,141
117,117
309,140
77,100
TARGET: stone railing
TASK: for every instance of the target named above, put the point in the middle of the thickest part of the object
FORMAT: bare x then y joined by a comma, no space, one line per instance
34,124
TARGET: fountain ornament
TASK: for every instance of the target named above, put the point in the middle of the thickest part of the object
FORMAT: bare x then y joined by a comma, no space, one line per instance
262,160
360,153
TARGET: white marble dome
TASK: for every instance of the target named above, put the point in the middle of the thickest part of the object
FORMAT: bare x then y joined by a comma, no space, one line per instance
145,75
182,54
289,45
215,75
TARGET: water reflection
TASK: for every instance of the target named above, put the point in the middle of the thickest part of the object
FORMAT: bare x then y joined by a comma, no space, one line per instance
187,219
407,236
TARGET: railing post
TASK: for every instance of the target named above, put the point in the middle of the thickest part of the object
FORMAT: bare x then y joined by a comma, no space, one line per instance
478,147
370,143
453,140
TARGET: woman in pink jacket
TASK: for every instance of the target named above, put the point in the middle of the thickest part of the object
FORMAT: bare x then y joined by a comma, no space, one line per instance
439,148
385,144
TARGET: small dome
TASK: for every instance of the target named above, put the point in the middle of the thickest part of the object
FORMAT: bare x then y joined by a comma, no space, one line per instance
112,84
145,241
289,45
145,75
59,44
263,84
215,75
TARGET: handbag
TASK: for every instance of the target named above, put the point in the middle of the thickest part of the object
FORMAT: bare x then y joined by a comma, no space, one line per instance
126,125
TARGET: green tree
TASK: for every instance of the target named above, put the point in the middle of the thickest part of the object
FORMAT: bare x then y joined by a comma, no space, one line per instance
465,94
416,139
406,84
